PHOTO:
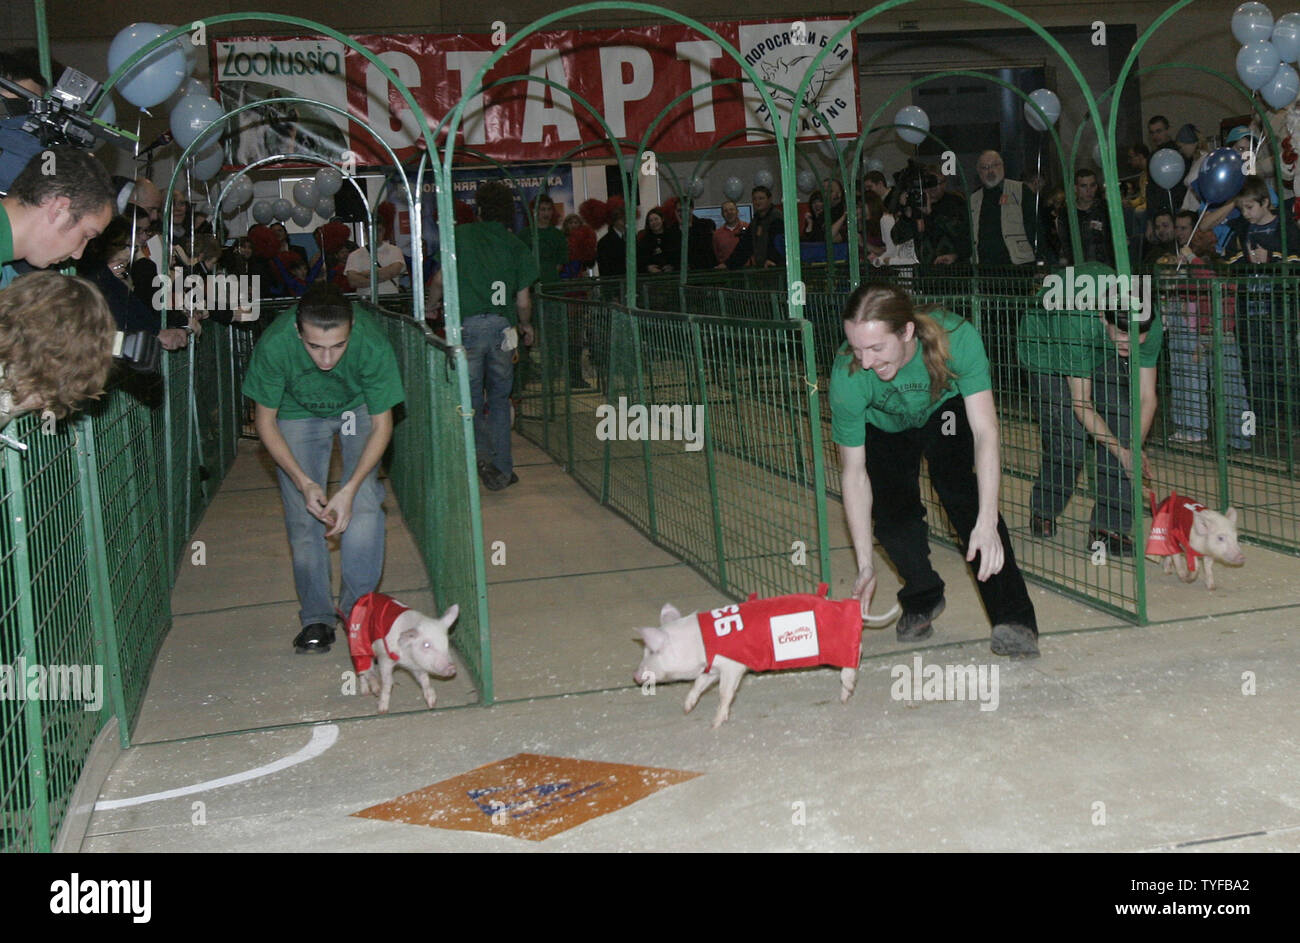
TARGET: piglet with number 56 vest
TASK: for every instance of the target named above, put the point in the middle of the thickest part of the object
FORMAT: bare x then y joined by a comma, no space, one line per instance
383,634
797,631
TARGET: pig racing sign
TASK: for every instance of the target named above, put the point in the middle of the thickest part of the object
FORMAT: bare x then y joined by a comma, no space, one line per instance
628,75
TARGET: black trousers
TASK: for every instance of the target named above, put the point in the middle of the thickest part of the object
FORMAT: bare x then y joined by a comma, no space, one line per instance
894,467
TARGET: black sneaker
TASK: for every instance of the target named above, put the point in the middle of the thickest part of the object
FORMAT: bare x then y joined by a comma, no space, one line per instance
1117,545
491,477
1014,640
915,626
514,479
314,639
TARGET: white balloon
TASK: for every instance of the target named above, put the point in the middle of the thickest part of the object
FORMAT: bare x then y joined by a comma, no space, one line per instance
916,122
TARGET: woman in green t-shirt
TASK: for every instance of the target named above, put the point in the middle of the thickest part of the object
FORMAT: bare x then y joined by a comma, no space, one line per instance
910,384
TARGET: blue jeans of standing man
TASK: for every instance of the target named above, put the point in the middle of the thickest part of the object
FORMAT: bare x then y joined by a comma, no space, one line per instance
491,376
312,442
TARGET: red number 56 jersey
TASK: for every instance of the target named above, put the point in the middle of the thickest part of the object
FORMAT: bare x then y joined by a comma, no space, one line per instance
798,631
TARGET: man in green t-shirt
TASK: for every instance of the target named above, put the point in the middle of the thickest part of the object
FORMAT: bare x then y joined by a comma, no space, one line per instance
327,369
1080,365
911,384
494,272
61,200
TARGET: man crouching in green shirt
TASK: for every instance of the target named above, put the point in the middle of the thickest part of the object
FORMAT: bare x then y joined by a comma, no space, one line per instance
327,370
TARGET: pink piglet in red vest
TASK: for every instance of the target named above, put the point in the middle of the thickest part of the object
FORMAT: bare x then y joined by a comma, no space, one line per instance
1187,534
797,631
383,634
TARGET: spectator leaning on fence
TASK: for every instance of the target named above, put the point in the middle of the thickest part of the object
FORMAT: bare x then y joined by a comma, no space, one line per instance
909,384
62,199
56,344
327,369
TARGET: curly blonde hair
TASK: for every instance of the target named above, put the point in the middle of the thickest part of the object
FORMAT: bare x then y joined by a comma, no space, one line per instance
56,341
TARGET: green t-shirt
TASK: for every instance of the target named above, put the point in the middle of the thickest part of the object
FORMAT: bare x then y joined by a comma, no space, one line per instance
282,375
552,252
6,237
487,254
902,403
1073,343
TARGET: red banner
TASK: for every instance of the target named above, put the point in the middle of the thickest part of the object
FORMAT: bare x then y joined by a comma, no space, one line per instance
630,76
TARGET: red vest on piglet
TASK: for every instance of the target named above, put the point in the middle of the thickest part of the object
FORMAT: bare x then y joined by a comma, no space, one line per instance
797,631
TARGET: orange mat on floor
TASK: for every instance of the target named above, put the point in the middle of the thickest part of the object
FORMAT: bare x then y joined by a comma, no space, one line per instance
527,796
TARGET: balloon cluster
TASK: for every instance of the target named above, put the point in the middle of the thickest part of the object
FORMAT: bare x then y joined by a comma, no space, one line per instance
1267,51
163,76
312,196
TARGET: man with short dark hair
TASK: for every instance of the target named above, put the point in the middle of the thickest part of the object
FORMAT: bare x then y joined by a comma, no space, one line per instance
62,199
327,370
494,272
1158,131
1094,223
1164,242
764,227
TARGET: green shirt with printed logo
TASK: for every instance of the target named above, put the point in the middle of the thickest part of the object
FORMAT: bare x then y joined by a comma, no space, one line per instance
282,375
859,397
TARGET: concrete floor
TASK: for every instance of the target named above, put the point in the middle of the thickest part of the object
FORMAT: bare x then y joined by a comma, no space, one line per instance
1117,739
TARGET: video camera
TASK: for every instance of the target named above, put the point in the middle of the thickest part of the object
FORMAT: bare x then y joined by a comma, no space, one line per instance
63,116
914,180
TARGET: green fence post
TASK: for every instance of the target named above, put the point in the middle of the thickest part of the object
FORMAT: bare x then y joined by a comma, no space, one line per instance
714,504
107,652
37,774
818,452
646,458
1220,407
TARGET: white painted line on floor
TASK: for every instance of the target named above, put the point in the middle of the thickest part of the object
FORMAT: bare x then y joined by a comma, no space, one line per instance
322,738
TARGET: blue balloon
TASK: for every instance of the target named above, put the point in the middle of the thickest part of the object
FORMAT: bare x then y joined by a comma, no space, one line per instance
262,211
1282,88
302,215
154,77
763,178
1045,99
1166,168
239,193
807,181
1220,178
191,116
325,207
916,122
1286,37
208,162
282,209
1257,64
1252,22
733,188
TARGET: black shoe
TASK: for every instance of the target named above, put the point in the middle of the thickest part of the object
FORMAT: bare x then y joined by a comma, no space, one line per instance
1117,545
313,639
491,476
915,626
1042,526
1014,640
514,479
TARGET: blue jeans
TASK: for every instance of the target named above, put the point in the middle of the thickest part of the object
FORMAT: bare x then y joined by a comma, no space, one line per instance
312,441
1191,367
491,376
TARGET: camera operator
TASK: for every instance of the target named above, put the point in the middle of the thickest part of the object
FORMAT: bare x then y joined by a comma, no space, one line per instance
934,220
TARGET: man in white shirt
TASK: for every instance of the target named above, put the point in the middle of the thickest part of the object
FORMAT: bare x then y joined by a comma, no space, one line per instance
392,265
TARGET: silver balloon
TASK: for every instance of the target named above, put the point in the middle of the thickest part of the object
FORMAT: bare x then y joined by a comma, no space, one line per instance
240,192
328,181
262,211
281,209
325,207
733,188
304,193
763,179
302,215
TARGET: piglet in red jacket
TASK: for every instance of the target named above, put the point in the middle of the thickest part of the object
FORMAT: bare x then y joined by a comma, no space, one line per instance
797,631
383,634
1186,533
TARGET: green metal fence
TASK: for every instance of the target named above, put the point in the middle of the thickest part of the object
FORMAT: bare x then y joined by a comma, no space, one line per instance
1245,347
434,479
719,467
94,515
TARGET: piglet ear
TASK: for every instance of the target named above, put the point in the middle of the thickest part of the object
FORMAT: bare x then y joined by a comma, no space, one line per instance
668,614
1202,523
1231,515
655,639
409,637
451,615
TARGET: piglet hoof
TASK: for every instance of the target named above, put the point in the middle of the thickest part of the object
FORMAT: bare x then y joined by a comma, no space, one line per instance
719,719
845,694
1188,578
431,700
